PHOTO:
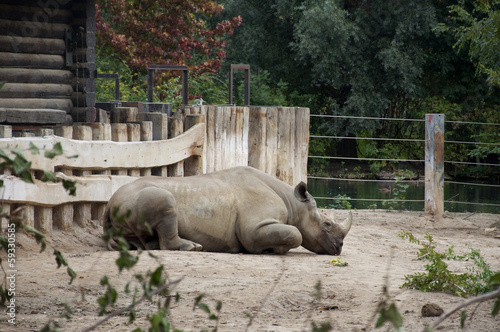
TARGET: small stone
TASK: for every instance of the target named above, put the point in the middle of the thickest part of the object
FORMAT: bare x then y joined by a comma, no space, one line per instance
431,310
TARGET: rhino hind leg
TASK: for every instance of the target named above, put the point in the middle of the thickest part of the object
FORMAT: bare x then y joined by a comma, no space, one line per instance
157,207
272,236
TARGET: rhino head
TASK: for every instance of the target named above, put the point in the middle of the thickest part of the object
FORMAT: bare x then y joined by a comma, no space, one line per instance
320,233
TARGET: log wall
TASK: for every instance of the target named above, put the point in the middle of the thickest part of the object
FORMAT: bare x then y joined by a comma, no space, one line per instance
47,61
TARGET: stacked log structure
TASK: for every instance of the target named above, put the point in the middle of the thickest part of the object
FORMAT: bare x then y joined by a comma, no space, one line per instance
47,61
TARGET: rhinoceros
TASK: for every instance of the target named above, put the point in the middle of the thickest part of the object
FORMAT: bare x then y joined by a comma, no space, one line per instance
240,209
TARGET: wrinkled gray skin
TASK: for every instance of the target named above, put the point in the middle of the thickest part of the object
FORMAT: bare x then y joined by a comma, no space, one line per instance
235,210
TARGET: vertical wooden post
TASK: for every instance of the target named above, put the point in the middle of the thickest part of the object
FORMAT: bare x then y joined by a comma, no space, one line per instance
194,164
176,128
146,135
82,212
62,215
434,164
119,134
134,135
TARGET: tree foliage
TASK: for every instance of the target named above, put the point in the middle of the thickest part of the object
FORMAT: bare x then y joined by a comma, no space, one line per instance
477,30
149,32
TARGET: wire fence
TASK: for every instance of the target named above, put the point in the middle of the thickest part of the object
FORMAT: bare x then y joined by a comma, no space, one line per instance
459,196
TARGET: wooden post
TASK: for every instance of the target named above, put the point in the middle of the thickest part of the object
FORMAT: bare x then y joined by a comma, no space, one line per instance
434,164
62,215
134,135
119,134
43,219
146,135
194,164
82,211
176,128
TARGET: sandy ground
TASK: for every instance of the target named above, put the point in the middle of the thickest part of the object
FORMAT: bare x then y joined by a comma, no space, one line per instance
277,291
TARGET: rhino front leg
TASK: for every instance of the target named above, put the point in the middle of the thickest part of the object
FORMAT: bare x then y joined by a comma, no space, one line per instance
158,208
270,235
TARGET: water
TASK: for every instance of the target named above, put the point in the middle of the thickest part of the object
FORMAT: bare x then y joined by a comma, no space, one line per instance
415,191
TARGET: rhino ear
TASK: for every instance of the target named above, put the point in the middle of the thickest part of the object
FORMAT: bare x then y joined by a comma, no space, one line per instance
301,193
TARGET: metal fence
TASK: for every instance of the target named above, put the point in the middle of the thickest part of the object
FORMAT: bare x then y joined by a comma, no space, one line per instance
465,204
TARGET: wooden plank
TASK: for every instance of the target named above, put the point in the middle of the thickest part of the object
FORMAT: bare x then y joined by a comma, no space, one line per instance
26,90
29,75
37,29
32,45
209,149
36,103
271,142
257,137
230,151
38,116
48,14
36,61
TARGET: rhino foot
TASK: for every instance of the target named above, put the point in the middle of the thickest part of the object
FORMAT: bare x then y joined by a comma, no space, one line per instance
190,246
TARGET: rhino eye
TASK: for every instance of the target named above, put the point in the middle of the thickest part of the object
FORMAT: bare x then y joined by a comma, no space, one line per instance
327,224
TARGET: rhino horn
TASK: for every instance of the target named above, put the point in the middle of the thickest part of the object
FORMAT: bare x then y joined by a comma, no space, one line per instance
345,226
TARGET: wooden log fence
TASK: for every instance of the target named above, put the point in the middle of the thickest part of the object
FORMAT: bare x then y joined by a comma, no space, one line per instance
195,140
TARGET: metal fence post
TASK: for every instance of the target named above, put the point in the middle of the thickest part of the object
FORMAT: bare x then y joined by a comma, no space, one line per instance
434,164
246,68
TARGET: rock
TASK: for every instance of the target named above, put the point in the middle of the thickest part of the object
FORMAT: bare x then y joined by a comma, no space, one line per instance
431,310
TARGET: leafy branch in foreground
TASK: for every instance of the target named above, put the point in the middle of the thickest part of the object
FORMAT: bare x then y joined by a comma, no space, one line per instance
439,278
21,168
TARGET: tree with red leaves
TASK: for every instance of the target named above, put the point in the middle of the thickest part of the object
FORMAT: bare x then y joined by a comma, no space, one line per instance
170,32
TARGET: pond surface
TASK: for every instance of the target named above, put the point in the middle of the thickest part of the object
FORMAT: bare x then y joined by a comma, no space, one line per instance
383,192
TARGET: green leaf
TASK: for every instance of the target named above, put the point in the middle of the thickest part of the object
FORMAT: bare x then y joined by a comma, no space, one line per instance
494,279
496,308
60,260
203,307
104,281
70,186
67,311
156,276
463,317
34,149
49,177
131,316
72,274
56,151
39,237
391,315
126,260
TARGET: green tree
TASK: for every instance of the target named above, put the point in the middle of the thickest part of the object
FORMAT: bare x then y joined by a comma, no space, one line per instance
164,32
478,33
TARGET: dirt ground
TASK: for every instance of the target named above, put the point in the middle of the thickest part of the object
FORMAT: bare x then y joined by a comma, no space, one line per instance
277,291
